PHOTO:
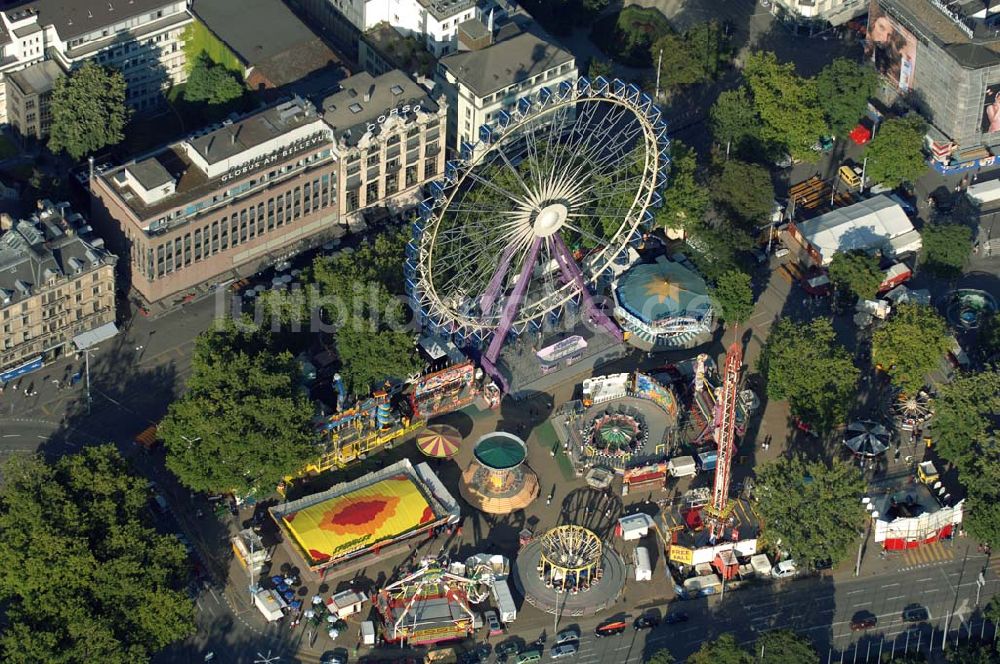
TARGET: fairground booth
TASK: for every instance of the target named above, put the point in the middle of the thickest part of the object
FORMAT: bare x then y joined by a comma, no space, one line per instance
371,515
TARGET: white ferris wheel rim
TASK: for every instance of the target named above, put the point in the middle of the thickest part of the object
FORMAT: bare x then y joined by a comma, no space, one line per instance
550,218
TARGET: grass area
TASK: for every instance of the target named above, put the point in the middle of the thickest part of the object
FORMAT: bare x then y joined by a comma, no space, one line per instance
549,440
7,147
199,39
628,36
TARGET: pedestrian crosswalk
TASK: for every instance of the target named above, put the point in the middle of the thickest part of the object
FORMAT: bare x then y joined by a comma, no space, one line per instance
928,554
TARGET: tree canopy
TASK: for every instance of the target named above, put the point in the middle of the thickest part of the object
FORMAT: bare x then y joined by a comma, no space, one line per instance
661,656
844,87
806,365
965,431
788,104
745,190
600,67
715,251
896,154
83,578
910,345
734,296
734,120
243,423
946,248
857,273
693,56
988,340
88,110
723,650
814,509
783,645
685,200
212,83
627,36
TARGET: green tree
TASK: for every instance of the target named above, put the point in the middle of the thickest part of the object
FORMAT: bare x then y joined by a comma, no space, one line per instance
896,154
788,104
965,428
946,248
600,67
370,358
989,336
691,57
814,509
745,190
982,517
88,110
723,650
805,365
844,87
661,656
911,345
714,252
243,423
83,578
782,646
685,200
857,273
734,120
212,84
734,297
992,610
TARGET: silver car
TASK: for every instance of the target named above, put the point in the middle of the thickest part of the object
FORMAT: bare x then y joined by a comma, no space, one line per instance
564,650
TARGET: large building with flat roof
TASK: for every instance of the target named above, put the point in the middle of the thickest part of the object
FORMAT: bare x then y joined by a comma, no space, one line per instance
247,193
222,202
276,48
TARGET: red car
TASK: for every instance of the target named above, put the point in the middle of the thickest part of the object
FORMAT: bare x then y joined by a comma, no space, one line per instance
862,621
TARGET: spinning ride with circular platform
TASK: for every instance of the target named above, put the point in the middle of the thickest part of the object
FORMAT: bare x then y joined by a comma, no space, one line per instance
617,433
568,570
498,481
527,220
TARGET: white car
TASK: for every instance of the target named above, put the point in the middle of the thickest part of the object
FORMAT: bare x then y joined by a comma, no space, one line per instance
784,569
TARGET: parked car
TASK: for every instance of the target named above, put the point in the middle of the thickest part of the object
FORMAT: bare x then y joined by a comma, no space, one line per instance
915,613
529,656
506,648
784,570
567,635
492,623
863,620
676,617
565,650
647,621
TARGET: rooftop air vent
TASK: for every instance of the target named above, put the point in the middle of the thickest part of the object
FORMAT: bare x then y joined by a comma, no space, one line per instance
396,90
355,107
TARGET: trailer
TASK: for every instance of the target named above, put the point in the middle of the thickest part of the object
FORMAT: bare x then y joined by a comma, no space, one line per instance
984,194
270,604
505,601
643,568
683,466
707,460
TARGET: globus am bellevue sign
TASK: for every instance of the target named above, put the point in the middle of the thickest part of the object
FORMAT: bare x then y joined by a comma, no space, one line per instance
275,156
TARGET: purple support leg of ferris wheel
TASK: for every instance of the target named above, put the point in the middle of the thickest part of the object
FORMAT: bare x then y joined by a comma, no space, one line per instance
510,309
571,271
493,288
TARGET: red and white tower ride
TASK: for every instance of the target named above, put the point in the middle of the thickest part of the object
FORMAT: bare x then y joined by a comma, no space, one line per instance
725,437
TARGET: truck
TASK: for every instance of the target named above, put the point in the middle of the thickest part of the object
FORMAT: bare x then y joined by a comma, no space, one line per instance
894,276
270,604
504,600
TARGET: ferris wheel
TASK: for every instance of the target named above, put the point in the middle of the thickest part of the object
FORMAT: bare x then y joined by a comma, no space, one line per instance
530,216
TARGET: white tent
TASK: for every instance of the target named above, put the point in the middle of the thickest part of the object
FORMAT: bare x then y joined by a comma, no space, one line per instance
867,225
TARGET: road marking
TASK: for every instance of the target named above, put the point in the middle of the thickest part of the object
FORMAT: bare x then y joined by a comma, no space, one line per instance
929,578
41,437
890,585
12,435
896,597
868,603
855,592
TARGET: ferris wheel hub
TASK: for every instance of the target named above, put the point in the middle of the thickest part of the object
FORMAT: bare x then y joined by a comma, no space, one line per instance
550,219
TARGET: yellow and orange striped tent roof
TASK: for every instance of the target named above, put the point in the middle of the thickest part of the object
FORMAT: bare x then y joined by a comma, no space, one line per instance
371,514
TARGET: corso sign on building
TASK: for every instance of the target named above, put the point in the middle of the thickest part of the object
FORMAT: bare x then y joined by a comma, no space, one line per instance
276,155
399,110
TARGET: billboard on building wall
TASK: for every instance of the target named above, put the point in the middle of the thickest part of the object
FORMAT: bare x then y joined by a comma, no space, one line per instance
891,47
991,109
